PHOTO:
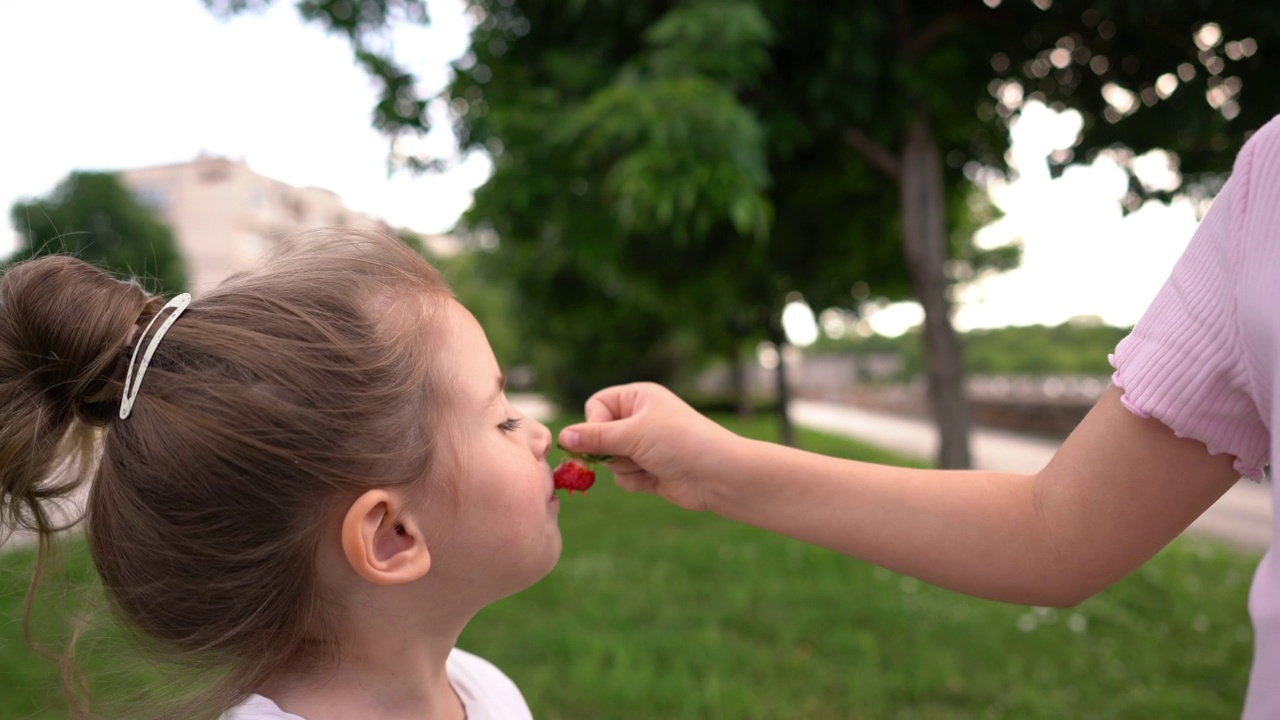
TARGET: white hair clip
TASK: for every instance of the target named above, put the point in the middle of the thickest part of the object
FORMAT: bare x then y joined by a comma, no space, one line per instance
132,384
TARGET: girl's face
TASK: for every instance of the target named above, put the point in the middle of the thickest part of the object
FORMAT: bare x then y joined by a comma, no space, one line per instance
504,535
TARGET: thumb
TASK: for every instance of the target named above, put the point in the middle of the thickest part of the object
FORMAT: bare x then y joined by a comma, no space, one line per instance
596,438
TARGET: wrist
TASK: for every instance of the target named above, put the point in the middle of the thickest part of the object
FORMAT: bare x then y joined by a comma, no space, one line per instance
728,480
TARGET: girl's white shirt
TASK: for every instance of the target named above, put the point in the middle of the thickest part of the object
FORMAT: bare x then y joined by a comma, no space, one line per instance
486,694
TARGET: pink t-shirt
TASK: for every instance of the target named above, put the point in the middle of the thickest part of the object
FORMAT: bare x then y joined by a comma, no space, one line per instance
1205,361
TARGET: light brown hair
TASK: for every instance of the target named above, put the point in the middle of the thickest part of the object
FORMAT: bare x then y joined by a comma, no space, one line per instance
272,398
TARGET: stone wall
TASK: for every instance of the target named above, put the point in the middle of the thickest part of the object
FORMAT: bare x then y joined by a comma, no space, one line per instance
1039,406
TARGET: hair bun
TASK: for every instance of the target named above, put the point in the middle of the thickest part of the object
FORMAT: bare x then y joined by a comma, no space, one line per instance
63,323
62,326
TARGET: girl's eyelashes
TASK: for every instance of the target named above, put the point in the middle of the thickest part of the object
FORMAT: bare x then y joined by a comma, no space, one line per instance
511,424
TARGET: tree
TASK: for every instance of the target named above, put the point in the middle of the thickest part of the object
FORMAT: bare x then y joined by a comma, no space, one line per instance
1107,62
628,211
624,132
642,138
918,91
94,217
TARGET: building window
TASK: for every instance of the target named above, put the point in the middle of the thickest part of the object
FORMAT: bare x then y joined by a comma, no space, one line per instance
154,197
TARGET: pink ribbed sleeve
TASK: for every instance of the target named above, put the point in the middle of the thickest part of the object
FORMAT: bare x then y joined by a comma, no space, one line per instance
1188,362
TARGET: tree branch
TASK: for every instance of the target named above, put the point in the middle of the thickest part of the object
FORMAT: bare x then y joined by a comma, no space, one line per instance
930,35
873,152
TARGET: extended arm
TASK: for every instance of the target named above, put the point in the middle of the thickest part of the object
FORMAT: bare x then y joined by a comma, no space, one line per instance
1118,490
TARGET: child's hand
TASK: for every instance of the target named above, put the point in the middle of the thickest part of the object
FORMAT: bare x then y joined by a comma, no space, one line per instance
659,444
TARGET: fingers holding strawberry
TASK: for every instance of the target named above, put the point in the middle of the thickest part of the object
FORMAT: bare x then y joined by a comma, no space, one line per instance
659,443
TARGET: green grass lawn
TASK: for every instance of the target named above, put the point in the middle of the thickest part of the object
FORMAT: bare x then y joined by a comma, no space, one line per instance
655,612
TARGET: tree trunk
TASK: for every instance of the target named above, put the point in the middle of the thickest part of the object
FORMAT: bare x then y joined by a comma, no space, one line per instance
924,223
741,389
784,394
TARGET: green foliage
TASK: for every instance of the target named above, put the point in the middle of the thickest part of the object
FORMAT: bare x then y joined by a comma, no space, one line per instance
720,154
654,612
680,156
624,194
687,156
1041,350
490,300
579,335
724,41
1071,348
873,66
94,217
1217,89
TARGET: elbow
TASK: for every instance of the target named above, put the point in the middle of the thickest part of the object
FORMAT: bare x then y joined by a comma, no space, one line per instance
1047,588
1064,587
1062,598
1063,569
1067,598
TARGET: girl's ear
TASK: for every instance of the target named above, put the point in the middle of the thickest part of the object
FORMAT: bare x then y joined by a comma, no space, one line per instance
382,542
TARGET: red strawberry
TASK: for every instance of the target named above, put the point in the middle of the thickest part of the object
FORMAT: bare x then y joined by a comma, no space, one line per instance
572,475
578,471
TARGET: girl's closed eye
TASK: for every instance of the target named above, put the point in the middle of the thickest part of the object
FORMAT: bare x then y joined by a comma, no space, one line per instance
511,424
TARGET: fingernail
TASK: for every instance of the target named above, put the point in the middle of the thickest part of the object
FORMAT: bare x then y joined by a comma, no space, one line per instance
570,439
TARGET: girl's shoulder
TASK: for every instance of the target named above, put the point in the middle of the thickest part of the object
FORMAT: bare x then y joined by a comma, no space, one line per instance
486,692
257,707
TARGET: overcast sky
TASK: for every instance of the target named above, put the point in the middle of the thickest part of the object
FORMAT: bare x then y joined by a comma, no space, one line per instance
88,84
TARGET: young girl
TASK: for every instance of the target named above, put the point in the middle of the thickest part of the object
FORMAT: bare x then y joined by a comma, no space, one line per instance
308,479
1194,408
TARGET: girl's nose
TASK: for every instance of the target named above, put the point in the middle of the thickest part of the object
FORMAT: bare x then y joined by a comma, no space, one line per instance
541,439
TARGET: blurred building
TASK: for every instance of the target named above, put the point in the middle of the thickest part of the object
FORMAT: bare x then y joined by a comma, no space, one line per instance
226,216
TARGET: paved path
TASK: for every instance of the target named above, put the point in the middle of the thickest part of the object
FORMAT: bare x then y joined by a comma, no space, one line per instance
1242,517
